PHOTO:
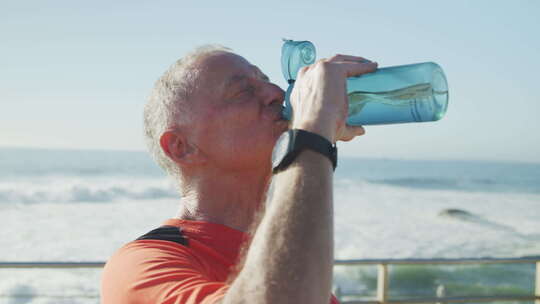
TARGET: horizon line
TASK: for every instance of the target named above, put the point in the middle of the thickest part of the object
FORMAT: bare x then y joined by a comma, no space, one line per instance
144,151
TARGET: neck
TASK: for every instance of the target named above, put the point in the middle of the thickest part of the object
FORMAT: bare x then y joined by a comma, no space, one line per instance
233,199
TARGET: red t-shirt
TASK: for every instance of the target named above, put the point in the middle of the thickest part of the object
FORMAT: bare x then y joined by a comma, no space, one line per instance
191,269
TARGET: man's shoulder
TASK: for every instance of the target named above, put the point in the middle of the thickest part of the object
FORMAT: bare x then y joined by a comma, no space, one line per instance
163,242
148,256
143,268
166,233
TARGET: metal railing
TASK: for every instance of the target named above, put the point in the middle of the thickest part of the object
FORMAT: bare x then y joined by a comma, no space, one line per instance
52,264
383,277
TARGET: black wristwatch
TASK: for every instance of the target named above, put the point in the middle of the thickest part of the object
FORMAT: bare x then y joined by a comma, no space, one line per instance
292,142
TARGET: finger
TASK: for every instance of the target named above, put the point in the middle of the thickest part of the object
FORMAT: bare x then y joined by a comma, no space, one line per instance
303,70
355,69
340,57
350,132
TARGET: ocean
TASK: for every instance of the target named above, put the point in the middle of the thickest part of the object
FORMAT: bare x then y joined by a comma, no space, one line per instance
71,205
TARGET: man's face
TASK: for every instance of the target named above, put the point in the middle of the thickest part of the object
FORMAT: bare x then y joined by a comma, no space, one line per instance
238,113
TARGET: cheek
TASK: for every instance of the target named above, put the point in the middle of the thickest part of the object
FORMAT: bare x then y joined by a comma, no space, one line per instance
239,118
221,133
235,131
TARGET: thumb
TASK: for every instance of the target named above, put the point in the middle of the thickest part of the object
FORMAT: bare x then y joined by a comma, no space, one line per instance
349,132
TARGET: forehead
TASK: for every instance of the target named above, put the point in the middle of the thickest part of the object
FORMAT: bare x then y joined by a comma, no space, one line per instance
223,68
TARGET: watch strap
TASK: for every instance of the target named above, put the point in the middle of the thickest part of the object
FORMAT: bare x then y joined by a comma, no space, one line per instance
301,140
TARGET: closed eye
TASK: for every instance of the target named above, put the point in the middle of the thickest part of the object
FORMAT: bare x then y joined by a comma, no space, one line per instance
248,90
244,93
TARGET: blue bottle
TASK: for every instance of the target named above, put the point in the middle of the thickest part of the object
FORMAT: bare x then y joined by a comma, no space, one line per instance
399,94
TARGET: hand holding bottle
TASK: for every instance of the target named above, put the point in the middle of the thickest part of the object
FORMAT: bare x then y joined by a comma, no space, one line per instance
319,98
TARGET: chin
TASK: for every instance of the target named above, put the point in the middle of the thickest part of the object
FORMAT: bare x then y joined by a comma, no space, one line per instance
282,126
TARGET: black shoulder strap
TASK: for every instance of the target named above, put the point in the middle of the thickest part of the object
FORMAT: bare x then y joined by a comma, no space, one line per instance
166,233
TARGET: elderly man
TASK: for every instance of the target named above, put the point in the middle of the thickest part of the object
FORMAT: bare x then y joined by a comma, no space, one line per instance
212,122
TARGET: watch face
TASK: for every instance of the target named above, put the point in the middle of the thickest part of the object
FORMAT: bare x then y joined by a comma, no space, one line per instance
280,149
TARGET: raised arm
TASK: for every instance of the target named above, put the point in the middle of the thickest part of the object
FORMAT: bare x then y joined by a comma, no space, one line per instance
290,258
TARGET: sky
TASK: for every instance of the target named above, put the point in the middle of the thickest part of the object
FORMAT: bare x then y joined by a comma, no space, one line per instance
76,74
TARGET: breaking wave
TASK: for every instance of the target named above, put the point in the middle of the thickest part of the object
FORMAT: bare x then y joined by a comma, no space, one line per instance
69,191
459,184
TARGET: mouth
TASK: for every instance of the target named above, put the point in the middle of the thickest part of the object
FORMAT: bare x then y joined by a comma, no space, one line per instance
279,117
275,112
278,120
282,113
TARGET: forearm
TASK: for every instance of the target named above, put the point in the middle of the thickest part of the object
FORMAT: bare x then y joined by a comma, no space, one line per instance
291,255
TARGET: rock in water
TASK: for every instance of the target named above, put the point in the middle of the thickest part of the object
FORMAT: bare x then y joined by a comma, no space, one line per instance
457,213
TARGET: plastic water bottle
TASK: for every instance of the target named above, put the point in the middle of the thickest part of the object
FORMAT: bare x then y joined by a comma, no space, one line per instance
399,94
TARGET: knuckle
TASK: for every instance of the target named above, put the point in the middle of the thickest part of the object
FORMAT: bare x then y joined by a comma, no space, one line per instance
320,62
324,64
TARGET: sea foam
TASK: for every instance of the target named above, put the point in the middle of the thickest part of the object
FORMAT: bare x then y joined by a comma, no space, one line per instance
77,189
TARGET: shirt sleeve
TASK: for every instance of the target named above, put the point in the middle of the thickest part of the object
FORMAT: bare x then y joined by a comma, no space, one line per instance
157,272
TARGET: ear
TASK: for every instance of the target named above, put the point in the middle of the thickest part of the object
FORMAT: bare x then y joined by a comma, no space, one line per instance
177,148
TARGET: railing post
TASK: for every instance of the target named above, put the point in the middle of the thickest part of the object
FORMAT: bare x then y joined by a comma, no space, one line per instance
382,283
337,293
441,293
537,284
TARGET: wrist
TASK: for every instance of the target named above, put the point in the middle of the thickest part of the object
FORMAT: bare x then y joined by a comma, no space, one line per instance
291,143
324,130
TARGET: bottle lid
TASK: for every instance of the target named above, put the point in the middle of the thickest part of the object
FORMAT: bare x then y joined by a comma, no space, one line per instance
294,56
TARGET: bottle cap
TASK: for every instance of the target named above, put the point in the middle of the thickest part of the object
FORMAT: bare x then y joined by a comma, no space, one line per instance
294,56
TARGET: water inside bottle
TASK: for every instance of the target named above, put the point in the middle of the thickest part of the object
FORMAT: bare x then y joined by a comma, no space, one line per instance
422,99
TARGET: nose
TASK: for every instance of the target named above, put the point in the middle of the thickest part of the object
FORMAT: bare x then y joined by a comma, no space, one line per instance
272,94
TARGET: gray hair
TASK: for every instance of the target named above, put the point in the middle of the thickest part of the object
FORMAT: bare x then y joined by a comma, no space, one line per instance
164,109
